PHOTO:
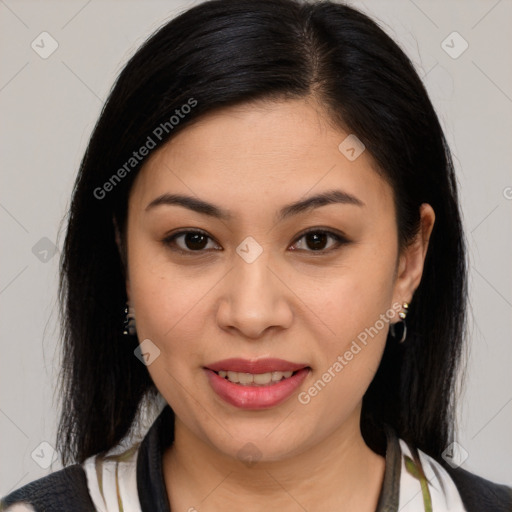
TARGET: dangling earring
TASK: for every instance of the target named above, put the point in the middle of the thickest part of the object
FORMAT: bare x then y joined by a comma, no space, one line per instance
402,315
129,321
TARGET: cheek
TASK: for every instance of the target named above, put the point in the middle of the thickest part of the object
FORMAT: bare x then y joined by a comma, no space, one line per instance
347,364
169,313
356,305
167,306
351,297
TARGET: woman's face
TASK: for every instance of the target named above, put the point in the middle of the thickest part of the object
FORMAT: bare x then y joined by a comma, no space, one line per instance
252,286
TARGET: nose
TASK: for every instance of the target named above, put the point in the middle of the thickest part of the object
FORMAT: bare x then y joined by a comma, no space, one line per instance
254,299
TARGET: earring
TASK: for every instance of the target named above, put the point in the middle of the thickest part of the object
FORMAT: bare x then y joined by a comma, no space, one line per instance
402,315
129,321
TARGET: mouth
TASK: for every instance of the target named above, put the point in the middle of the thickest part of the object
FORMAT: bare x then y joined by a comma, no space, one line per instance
256,384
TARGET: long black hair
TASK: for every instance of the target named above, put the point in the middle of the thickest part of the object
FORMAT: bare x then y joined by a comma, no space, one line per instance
227,52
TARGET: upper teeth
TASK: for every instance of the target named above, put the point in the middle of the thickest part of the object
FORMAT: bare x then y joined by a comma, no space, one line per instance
247,379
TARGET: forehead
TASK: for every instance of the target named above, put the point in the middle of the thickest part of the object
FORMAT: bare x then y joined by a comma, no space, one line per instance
262,154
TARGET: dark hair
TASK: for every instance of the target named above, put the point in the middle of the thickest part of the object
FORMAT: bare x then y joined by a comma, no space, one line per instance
227,52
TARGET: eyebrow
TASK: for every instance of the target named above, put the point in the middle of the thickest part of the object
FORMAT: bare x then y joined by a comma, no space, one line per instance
205,208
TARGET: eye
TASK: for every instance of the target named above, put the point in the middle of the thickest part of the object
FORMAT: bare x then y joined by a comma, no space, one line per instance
189,241
316,240
313,240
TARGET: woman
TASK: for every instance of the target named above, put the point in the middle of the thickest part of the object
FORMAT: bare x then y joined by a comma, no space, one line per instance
265,246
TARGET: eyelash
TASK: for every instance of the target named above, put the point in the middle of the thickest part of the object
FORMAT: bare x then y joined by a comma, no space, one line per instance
339,239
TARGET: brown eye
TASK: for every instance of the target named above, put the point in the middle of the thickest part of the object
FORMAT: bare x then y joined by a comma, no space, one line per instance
318,241
195,241
188,241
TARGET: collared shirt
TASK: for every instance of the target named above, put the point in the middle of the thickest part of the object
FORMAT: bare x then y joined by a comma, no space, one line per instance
132,480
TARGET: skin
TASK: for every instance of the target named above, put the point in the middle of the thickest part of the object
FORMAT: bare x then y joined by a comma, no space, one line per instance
294,304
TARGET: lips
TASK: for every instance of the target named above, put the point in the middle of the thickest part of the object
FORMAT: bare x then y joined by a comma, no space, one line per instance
254,367
256,395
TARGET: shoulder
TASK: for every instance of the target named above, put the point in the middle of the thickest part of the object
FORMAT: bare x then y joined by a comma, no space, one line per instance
62,490
478,494
454,487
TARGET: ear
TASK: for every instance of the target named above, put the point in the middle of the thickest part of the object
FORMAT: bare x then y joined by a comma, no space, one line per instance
119,244
412,259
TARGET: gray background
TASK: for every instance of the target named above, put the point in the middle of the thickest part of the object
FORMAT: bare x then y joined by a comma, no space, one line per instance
49,107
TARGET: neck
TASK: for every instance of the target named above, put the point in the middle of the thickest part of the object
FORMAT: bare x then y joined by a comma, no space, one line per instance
340,470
